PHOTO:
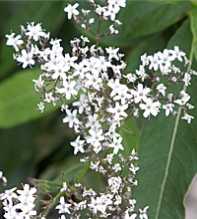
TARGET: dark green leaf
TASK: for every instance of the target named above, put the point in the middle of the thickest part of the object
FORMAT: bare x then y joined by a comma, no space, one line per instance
18,99
193,19
168,151
130,134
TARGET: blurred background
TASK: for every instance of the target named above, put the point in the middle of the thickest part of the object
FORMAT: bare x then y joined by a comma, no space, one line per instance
36,145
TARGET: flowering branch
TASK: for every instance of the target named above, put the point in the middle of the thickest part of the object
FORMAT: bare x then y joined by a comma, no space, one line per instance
93,78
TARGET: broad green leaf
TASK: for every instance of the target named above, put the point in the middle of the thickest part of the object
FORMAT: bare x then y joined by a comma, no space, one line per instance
193,19
18,99
168,154
142,18
130,134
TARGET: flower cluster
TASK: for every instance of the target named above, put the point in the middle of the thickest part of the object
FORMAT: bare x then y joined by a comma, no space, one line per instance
23,42
19,204
114,201
95,98
86,16
161,83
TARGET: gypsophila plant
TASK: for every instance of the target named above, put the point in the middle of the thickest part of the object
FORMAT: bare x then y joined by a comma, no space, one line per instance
101,96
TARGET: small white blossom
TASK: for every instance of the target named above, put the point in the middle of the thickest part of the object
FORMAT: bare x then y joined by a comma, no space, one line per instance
72,10
78,145
162,89
141,93
26,58
14,41
64,187
35,31
150,107
187,117
143,213
3,178
63,207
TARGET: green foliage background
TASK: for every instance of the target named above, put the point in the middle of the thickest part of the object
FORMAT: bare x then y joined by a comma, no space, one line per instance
37,145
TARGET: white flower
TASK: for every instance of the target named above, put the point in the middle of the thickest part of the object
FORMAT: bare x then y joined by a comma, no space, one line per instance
154,62
72,10
114,184
19,204
113,53
100,204
10,212
132,216
27,194
78,145
169,108
95,138
141,93
141,73
82,104
133,155
8,195
41,106
144,59
71,118
116,144
26,58
35,31
185,97
187,117
162,89
178,53
117,167
143,213
187,78
2,177
38,84
14,41
64,187
118,111
68,89
63,207
113,30
133,168
131,77
132,203
150,107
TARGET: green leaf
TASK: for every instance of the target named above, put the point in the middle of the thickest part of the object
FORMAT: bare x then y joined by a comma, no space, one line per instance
142,18
193,19
130,134
6,60
18,99
167,154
